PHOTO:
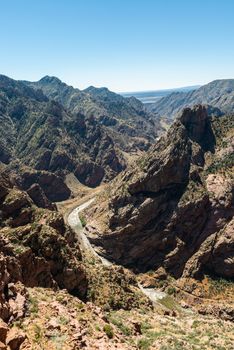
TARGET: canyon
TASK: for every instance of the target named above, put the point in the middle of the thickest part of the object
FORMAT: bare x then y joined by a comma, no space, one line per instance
115,233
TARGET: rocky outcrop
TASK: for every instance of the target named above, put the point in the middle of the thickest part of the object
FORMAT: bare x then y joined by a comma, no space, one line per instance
39,198
222,261
13,295
49,185
13,307
37,248
167,211
43,187
15,339
90,173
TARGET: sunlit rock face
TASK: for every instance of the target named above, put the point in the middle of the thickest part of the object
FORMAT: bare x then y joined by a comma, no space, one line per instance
173,209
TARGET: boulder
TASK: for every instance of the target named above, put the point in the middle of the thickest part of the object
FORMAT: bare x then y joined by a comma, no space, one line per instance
15,339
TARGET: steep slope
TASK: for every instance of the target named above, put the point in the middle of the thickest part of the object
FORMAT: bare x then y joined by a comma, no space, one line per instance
37,248
124,119
219,95
41,134
174,208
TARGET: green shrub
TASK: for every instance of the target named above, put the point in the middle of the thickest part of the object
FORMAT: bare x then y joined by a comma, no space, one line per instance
144,343
63,320
219,285
109,331
83,220
145,326
33,305
171,290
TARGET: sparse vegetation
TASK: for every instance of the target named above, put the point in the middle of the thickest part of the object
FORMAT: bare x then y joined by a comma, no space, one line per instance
144,343
33,305
38,334
148,339
170,303
145,326
225,163
63,320
219,285
113,305
120,324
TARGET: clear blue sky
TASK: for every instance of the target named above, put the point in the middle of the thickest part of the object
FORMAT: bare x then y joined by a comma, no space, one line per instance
126,45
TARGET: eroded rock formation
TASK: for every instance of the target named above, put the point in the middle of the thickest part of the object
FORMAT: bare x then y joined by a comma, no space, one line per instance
174,208
37,248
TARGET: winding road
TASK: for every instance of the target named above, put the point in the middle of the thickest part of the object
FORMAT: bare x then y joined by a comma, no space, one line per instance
153,294
74,222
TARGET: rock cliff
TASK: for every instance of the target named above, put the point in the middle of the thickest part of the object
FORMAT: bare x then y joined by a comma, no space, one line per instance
174,207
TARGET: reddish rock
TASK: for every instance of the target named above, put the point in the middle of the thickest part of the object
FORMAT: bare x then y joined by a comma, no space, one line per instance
169,210
160,274
39,198
15,339
89,173
15,200
3,331
3,346
36,250
53,324
18,303
52,185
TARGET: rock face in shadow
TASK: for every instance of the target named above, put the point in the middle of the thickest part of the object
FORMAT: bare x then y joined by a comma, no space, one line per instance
38,196
50,185
173,208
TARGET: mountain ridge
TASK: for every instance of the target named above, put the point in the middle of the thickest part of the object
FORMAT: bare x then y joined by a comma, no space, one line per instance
121,116
218,94
41,134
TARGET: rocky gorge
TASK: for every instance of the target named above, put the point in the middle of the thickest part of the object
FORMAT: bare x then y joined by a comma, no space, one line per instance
162,217
174,208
